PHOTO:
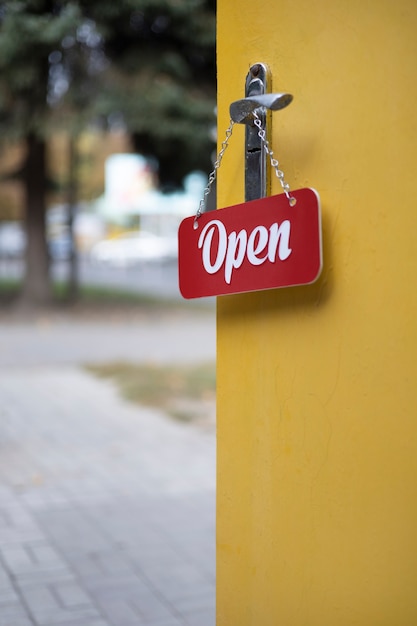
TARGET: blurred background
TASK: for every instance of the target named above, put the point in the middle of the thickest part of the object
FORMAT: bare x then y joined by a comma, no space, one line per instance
107,377
107,120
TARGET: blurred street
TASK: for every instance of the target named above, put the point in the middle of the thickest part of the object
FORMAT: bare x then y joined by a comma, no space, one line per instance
150,278
154,279
106,508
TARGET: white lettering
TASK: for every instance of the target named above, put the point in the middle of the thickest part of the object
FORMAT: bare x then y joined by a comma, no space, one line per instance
260,235
261,245
235,253
279,235
205,243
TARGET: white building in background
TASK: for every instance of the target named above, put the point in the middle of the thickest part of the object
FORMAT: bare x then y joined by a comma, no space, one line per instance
131,197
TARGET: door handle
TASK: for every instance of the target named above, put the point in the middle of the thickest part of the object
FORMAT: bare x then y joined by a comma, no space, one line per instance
257,103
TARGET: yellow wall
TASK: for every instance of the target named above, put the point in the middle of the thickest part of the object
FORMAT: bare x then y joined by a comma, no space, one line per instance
317,385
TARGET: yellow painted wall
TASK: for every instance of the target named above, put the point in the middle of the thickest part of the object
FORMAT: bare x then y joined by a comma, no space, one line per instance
317,385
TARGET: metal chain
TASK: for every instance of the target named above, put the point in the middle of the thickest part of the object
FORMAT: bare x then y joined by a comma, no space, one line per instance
274,162
212,176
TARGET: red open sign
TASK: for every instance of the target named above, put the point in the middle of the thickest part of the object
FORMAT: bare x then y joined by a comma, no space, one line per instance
262,244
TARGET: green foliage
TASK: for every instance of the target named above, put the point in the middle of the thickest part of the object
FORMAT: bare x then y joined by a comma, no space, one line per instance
146,64
29,34
164,88
149,64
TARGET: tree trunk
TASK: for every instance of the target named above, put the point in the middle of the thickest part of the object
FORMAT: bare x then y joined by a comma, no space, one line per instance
36,288
73,285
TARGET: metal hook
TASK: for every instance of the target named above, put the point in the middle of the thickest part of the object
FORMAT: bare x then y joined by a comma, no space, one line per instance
243,112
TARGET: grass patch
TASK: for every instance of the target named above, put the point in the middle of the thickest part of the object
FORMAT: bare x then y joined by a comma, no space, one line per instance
96,297
90,296
183,391
9,287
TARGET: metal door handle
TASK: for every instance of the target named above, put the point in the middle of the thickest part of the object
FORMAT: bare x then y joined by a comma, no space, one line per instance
242,112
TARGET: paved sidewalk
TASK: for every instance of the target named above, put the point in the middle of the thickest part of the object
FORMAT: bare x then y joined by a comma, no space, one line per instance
106,509
153,335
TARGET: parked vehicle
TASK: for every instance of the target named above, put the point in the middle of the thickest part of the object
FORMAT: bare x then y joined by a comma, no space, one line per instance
12,240
60,247
135,247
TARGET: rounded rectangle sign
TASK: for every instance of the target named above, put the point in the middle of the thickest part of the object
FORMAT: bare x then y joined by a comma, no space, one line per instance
262,244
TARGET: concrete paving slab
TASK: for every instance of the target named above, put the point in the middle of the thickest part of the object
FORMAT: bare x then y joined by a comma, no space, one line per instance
106,508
